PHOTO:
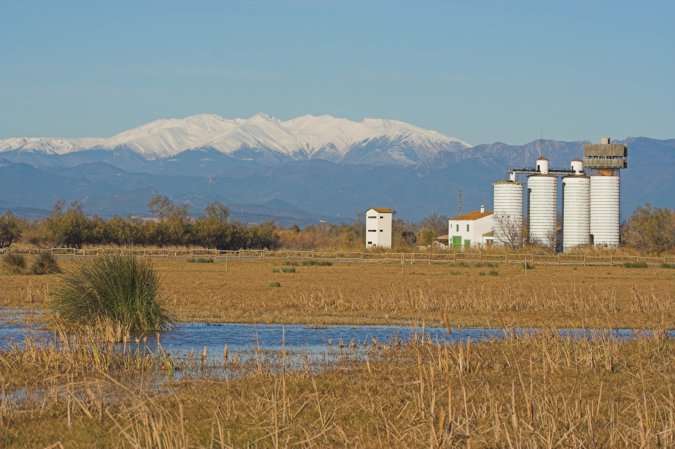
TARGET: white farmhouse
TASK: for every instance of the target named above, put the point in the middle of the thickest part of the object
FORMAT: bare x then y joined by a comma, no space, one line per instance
378,227
472,228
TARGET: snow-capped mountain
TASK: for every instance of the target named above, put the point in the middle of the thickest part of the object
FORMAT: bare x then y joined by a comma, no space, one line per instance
48,145
373,141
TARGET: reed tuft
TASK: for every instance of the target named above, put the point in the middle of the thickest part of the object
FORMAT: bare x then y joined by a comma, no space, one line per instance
45,263
117,288
14,263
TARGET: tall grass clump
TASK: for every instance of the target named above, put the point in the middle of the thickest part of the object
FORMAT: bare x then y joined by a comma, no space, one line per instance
200,260
636,265
14,263
121,289
45,263
316,263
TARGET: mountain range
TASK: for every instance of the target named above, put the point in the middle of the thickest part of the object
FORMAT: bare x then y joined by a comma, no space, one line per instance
263,138
301,171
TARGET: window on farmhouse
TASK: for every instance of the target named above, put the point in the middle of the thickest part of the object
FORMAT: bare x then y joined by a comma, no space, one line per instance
372,216
467,228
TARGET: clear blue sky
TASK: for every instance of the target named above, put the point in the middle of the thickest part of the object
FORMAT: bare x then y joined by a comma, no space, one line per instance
479,70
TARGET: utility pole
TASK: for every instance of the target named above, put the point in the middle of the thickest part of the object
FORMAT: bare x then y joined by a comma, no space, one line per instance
461,207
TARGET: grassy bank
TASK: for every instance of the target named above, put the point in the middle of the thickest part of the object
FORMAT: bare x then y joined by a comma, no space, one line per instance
452,294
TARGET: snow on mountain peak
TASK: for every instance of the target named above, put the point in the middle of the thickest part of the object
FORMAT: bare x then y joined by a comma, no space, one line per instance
306,136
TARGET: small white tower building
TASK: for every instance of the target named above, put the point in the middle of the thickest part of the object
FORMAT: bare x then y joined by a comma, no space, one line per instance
379,227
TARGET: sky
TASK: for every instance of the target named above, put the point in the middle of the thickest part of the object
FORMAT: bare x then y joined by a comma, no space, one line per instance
482,71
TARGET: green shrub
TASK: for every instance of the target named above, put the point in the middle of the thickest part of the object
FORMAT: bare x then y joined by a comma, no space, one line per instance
462,264
635,265
528,266
290,264
317,263
275,284
45,263
200,260
14,263
116,288
288,269
668,265
493,273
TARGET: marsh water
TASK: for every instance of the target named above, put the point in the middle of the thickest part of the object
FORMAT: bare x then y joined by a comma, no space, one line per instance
185,338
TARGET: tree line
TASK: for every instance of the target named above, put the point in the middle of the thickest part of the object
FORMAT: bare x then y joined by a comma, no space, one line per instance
69,226
648,229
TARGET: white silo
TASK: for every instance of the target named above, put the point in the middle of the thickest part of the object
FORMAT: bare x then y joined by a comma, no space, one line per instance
605,211
542,202
576,207
508,212
607,159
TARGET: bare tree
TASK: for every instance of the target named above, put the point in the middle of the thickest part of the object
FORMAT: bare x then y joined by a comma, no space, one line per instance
437,223
508,231
552,239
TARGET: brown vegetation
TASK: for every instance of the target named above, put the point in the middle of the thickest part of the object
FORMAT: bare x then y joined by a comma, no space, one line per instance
461,294
522,392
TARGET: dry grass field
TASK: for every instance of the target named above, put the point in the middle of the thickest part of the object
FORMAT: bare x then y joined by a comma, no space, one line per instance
454,295
536,391
539,391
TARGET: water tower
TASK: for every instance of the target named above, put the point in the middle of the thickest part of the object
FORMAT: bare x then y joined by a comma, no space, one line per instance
606,159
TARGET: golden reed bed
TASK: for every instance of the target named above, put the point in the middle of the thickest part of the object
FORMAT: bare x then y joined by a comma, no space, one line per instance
539,391
448,294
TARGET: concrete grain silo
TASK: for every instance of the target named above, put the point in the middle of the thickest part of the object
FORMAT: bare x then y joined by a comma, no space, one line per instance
576,207
508,212
542,205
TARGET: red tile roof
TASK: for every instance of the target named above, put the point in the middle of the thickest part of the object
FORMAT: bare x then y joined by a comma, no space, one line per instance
475,215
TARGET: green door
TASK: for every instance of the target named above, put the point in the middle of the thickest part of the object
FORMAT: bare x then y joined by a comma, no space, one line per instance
467,243
457,242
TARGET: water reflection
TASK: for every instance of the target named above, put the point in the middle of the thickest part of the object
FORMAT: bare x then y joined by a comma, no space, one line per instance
212,340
